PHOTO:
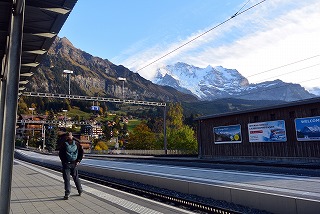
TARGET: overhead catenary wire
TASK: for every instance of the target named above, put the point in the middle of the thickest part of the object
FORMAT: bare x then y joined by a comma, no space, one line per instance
202,34
241,8
311,66
282,66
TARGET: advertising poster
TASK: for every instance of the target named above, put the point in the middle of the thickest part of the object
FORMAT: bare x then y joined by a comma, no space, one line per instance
308,129
227,134
95,108
269,131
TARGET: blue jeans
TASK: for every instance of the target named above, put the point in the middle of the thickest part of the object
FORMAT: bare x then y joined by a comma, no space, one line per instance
67,170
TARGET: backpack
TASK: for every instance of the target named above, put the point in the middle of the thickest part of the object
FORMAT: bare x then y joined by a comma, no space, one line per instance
72,151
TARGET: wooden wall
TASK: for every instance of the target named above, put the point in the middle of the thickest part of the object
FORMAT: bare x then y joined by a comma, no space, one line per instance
290,148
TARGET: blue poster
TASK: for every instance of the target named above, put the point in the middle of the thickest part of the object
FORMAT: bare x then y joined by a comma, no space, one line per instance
269,131
95,108
308,129
227,134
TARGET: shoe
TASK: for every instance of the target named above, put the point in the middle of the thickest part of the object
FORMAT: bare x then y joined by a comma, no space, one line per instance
66,197
80,192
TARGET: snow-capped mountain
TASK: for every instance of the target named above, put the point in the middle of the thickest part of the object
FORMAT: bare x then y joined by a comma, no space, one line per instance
217,82
315,91
311,129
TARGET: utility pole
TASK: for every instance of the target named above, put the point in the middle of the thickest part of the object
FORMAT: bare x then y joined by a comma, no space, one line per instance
165,130
65,118
123,80
31,109
68,72
43,136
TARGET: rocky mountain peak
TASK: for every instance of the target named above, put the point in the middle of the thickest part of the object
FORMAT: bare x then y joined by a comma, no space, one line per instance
95,76
211,83
65,42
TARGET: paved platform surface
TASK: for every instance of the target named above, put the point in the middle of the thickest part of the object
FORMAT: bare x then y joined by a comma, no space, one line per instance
39,190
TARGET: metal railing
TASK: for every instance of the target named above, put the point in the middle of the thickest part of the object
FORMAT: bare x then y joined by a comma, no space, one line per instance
144,152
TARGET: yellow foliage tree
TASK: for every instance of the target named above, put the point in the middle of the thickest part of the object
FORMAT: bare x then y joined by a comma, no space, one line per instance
101,146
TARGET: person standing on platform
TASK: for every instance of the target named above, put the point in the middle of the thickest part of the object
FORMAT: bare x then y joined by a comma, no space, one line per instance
71,154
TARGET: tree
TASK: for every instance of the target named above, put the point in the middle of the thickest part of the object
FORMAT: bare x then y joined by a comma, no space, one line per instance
155,124
101,112
175,115
125,128
182,139
77,117
191,122
123,131
101,146
107,131
179,136
22,107
52,134
142,138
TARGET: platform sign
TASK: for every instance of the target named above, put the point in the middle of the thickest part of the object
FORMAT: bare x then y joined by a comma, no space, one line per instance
95,108
227,134
269,131
308,129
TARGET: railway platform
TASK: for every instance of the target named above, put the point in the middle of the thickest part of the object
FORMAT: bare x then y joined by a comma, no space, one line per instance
39,190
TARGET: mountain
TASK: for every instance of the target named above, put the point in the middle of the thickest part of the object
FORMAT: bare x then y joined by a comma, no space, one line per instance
315,90
224,105
94,76
212,83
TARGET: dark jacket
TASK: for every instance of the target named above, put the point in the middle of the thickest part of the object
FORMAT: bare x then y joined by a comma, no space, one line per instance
63,153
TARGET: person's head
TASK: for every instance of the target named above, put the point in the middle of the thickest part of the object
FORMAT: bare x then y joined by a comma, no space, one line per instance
69,137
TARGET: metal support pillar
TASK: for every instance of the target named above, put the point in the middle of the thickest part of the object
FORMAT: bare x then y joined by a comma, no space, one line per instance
9,102
199,139
69,83
165,129
2,100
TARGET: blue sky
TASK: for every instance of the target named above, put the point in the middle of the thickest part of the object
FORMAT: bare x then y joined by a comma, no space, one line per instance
134,33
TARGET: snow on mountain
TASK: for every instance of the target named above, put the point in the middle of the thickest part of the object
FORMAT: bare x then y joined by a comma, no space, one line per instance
217,82
202,82
311,129
315,91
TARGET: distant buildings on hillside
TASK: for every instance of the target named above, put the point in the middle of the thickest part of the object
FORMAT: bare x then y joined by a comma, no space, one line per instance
34,127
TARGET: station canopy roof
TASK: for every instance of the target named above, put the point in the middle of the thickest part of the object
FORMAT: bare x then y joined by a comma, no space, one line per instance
43,20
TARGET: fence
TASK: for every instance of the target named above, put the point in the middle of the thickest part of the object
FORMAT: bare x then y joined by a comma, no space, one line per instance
145,152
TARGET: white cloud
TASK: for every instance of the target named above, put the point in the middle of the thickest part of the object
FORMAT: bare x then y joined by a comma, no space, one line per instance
273,34
289,38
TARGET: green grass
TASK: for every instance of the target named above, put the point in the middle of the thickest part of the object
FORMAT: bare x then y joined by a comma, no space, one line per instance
73,112
133,123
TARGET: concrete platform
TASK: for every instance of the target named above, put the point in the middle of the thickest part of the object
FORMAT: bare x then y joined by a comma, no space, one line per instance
272,192
39,190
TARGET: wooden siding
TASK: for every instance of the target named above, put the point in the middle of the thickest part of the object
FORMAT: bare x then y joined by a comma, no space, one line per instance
290,148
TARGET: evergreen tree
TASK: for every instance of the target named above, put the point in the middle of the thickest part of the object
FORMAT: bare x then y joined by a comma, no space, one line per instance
107,131
125,128
190,121
77,117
